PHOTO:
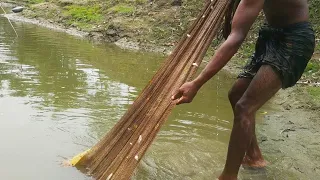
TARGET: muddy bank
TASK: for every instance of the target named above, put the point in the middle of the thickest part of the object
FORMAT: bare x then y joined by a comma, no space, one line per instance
7,5
47,24
122,42
290,136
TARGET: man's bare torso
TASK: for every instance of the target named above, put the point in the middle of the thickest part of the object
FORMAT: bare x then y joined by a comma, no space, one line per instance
280,13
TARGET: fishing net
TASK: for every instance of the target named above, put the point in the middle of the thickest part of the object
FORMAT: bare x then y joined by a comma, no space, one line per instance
118,153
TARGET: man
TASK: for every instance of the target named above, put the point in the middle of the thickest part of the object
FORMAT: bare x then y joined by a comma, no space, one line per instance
284,47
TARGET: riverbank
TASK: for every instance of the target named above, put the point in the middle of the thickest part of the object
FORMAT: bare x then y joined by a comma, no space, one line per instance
292,131
122,43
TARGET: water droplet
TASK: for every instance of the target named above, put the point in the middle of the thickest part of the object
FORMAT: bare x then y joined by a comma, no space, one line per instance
140,139
109,177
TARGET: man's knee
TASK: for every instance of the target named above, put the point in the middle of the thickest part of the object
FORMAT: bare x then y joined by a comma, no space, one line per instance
243,113
241,108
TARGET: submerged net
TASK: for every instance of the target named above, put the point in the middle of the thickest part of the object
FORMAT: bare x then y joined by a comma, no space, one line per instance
119,152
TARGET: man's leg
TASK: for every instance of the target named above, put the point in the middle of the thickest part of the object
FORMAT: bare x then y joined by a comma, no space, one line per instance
262,87
253,156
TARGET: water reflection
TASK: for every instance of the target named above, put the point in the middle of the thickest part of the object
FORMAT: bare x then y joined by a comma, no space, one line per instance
61,94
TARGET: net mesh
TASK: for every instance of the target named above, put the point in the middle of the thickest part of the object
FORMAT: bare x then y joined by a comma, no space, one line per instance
117,154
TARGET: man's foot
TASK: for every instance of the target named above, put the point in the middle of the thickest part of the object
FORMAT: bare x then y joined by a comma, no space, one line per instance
254,163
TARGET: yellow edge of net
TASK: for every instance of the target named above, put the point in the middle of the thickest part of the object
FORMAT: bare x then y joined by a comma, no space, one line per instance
74,161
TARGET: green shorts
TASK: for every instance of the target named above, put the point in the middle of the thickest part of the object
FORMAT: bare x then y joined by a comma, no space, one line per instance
287,50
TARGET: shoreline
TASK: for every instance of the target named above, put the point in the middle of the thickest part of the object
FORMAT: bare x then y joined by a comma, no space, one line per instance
97,37
46,24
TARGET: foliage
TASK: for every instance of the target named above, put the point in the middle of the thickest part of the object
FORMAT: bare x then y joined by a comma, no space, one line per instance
315,19
312,67
122,9
314,92
35,1
84,13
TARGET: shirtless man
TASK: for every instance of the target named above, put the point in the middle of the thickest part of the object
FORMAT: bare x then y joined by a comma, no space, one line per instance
284,47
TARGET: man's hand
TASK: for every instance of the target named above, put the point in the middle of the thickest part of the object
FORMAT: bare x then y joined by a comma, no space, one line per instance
185,93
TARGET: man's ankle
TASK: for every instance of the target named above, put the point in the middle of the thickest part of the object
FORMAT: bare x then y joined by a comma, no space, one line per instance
223,177
254,156
227,176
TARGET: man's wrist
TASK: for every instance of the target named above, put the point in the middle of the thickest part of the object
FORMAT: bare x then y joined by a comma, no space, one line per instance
197,82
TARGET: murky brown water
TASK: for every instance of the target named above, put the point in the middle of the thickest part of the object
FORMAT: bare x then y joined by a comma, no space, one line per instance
60,94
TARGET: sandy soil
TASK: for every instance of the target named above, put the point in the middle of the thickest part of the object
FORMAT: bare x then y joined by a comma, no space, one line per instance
290,136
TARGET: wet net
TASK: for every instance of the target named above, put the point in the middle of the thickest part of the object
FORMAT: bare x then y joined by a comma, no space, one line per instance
118,153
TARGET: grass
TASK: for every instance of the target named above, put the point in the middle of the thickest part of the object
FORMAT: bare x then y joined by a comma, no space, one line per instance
84,14
312,67
122,9
314,92
314,18
35,1
312,73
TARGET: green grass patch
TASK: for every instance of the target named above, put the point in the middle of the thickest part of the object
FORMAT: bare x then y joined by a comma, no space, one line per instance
35,1
317,48
84,14
122,9
312,67
135,1
247,49
314,92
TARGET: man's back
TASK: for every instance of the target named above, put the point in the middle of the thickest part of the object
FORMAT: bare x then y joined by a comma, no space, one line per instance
280,13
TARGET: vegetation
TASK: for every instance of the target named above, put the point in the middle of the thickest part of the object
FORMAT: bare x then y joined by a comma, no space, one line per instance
122,9
84,14
35,1
315,93
83,17
313,66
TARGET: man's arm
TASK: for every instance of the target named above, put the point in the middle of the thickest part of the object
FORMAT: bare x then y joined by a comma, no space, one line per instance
244,17
246,14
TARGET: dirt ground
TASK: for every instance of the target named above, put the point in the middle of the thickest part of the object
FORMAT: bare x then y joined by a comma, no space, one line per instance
291,135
